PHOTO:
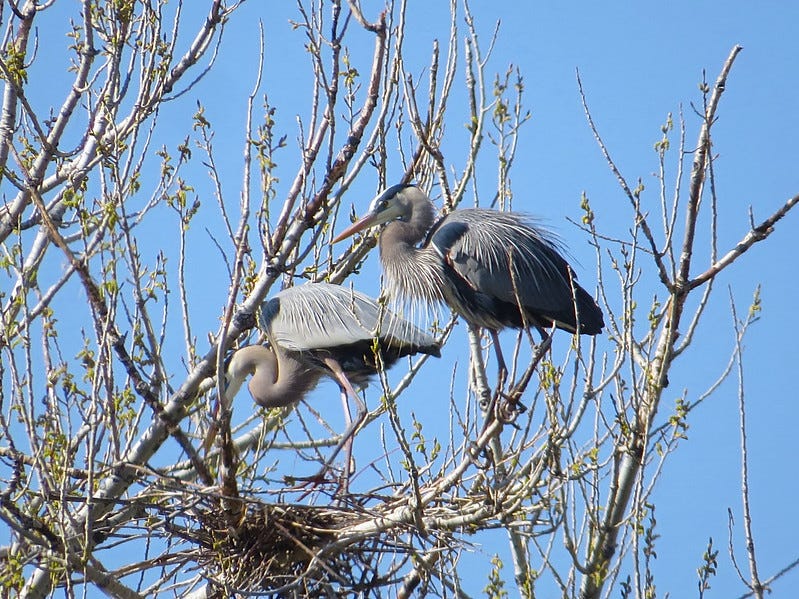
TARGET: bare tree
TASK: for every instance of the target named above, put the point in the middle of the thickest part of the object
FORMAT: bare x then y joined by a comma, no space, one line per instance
106,404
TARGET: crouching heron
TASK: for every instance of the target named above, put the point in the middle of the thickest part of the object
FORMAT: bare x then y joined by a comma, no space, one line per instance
317,330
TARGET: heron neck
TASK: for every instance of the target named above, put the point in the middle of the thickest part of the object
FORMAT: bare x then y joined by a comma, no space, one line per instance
284,384
400,236
412,273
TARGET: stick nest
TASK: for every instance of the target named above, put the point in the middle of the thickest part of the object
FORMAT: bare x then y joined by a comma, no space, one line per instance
290,550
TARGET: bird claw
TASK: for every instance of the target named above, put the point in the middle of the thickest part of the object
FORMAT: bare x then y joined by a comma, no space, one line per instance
509,408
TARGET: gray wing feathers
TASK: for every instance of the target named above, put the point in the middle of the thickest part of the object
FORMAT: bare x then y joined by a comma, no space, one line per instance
487,247
319,315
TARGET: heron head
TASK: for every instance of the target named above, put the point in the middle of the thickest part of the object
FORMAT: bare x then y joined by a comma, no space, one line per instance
390,205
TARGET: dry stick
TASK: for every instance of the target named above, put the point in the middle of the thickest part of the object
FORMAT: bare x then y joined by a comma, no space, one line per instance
630,462
103,579
698,170
731,547
758,233
755,584
779,574
232,506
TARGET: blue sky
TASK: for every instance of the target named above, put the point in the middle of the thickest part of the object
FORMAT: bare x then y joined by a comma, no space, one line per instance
638,62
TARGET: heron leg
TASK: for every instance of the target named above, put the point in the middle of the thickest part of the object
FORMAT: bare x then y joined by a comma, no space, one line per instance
543,332
502,373
347,390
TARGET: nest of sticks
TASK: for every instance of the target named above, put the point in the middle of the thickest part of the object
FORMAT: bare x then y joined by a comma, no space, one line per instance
292,550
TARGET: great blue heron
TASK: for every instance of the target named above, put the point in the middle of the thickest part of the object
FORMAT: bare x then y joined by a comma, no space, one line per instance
496,269
316,330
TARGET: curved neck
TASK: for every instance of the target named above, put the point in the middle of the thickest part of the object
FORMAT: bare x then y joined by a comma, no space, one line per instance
284,383
276,379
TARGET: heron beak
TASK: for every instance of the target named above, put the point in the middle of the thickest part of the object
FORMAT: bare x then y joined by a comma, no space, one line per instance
384,208
369,220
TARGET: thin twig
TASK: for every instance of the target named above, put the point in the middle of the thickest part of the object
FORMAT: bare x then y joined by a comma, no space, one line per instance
755,584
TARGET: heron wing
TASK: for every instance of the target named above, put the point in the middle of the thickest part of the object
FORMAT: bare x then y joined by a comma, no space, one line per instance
322,315
505,257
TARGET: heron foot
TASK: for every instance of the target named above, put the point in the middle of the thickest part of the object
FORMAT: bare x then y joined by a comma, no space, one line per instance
508,410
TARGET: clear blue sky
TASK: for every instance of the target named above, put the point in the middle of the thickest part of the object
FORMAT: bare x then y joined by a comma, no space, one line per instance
638,62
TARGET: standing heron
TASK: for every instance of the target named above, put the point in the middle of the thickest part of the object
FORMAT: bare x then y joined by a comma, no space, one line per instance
317,330
496,269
